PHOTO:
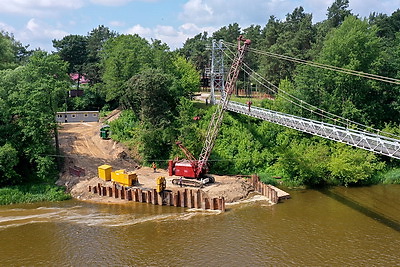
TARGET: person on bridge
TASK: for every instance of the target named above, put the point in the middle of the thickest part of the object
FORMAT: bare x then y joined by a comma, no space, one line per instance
249,103
154,166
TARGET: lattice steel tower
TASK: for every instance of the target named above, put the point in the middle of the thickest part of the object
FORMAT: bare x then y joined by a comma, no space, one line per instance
217,69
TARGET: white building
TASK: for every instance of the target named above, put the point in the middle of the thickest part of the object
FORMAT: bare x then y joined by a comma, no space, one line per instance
77,116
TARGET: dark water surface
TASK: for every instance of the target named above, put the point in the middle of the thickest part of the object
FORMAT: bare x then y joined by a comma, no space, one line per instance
339,227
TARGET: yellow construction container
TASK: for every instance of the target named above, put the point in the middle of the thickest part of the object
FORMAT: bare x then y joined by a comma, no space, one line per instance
133,176
123,178
161,184
105,172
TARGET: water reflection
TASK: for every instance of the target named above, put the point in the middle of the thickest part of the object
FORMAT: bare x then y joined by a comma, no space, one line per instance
382,218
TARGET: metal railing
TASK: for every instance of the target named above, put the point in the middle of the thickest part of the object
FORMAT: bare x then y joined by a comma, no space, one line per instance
372,142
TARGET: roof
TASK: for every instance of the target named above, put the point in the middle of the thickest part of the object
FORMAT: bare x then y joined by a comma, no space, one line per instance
74,112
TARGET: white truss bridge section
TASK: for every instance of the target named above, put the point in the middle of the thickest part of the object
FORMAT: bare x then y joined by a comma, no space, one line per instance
372,142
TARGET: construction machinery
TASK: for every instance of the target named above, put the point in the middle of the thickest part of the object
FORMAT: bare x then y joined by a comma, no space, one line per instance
161,184
197,169
105,132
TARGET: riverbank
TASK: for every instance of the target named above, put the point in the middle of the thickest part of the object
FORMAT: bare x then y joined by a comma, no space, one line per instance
32,193
82,147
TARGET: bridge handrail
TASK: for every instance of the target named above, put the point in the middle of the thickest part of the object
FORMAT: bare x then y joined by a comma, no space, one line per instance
326,124
365,140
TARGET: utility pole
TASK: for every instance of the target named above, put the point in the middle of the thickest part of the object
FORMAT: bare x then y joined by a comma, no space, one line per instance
217,69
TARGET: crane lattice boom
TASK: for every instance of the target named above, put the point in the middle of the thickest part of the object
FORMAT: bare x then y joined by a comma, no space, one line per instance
216,120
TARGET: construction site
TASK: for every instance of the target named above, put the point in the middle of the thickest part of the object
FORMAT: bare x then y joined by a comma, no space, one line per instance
84,151
93,161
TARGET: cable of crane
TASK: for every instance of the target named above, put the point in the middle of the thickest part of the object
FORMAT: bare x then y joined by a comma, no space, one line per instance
325,66
323,113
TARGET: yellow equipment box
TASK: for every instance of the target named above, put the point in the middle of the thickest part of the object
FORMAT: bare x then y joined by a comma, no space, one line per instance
105,172
161,184
126,179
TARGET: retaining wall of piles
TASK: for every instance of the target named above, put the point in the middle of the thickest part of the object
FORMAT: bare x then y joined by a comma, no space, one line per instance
188,198
264,189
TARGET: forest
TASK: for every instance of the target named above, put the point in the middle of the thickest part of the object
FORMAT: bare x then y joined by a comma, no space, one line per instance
154,86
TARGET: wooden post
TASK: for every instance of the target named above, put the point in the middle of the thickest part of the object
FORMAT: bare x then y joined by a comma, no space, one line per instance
190,199
171,199
129,195
221,204
154,197
175,198
110,191
104,191
149,196
212,204
166,198
90,188
140,195
196,199
116,193
202,201
99,188
207,204
95,190
122,192
184,198
134,195
160,197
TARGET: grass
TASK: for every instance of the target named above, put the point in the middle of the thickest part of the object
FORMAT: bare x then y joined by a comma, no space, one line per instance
32,193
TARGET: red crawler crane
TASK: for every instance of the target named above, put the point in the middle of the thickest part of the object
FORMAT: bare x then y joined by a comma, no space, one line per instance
191,167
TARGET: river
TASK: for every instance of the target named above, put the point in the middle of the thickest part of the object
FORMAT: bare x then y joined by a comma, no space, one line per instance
335,227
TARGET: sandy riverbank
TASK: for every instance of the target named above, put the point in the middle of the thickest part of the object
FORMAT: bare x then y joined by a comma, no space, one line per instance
82,146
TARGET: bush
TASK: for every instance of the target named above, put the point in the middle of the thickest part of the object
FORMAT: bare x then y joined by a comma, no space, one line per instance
391,177
32,193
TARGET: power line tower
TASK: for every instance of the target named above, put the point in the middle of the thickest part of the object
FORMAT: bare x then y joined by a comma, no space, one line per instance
217,69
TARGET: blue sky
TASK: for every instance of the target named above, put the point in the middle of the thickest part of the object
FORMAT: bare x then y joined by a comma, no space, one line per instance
37,22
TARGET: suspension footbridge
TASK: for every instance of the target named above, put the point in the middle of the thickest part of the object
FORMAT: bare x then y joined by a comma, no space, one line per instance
369,141
360,138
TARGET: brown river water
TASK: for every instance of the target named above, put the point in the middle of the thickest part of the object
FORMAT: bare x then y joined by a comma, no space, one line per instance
335,227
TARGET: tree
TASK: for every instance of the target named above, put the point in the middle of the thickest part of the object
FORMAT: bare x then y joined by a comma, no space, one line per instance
337,12
349,165
148,95
7,58
228,34
123,57
30,97
186,78
73,49
95,42
293,37
354,45
195,50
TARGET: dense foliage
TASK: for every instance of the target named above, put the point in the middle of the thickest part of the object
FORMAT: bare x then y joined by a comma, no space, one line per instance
32,193
30,95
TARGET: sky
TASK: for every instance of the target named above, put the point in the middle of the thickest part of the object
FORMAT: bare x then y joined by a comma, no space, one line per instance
38,22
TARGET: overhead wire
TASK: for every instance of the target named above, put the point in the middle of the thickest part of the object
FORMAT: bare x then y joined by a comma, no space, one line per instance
303,105
324,66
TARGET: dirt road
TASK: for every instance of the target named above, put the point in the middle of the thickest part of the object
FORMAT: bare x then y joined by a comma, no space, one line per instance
81,146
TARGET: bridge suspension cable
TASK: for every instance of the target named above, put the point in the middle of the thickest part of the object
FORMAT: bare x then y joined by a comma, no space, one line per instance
302,104
324,66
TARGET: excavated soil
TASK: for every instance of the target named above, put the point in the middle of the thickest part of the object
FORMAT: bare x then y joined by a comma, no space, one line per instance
81,146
